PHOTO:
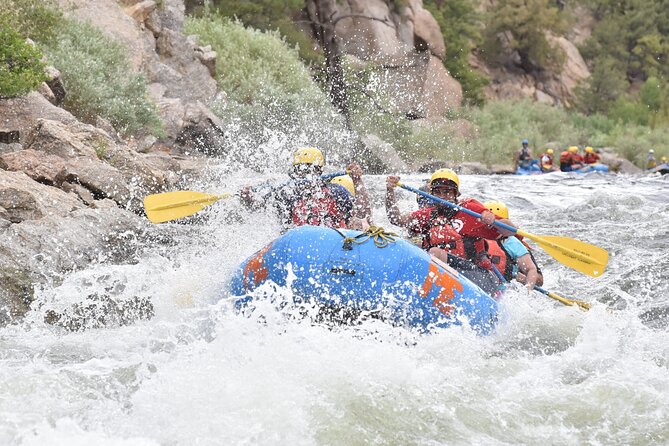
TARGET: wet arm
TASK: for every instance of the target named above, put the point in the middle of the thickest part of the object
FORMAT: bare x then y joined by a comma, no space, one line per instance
527,267
392,211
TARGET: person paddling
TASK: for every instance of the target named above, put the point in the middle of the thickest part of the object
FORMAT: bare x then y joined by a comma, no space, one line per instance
570,160
546,161
523,157
591,157
442,230
651,163
511,256
310,200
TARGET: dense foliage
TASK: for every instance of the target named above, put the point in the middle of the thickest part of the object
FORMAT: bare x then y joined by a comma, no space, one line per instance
21,67
460,24
95,70
629,50
269,15
269,90
99,80
521,25
503,124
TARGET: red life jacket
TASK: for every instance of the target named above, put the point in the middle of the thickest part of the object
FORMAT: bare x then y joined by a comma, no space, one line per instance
319,209
500,258
590,158
441,234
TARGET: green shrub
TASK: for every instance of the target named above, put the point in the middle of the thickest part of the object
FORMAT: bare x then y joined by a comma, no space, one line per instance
527,22
21,66
99,79
460,24
271,15
503,124
35,19
270,93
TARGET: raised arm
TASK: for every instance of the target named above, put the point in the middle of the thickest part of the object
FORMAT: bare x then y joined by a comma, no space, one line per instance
361,207
392,211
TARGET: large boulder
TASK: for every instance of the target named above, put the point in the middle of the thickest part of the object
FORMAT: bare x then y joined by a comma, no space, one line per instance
22,113
551,86
404,44
380,157
32,251
24,199
179,71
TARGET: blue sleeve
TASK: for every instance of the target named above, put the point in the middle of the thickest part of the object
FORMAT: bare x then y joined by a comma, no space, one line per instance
515,247
343,198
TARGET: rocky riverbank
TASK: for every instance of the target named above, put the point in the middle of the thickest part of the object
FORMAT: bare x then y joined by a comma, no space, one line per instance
71,192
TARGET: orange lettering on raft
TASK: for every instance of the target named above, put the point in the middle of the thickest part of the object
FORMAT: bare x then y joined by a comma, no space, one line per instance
448,285
256,265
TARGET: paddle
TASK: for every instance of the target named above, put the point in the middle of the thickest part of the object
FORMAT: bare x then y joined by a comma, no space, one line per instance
583,257
583,305
168,206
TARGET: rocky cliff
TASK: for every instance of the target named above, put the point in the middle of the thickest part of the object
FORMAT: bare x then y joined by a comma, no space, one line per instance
70,192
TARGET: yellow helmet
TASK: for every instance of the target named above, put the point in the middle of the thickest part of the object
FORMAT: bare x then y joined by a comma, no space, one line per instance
589,149
498,208
345,181
573,149
549,151
663,159
445,174
308,155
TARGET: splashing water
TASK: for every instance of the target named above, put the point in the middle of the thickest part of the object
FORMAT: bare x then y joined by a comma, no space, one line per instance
197,373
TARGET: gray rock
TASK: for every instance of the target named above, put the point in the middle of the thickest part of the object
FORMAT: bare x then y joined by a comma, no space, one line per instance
377,156
24,199
22,114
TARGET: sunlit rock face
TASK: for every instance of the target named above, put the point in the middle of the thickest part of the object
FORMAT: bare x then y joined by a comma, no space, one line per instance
404,48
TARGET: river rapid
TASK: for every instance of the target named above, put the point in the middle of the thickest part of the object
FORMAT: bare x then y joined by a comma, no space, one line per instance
197,373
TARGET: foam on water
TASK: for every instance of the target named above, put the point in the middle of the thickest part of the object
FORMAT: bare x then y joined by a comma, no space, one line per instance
198,373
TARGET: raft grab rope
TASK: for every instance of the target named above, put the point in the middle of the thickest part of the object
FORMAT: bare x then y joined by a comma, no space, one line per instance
381,237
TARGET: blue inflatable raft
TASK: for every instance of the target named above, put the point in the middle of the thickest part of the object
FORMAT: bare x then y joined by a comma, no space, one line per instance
535,169
344,269
598,167
661,169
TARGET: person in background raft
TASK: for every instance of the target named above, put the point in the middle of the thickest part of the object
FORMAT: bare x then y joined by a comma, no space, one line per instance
570,160
510,255
448,234
546,161
663,160
308,199
523,157
591,157
650,160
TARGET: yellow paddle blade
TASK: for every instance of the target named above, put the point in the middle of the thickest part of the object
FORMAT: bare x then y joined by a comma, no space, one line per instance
583,305
581,256
170,206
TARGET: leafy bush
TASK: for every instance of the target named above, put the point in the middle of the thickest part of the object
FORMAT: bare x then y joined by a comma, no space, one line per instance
270,94
503,124
270,15
527,22
35,19
21,66
99,79
460,24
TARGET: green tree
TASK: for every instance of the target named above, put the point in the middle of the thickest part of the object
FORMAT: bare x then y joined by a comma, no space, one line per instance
460,24
269,15
522,25
21,66
605,85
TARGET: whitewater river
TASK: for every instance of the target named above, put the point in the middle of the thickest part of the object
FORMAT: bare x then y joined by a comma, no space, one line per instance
198,374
